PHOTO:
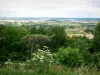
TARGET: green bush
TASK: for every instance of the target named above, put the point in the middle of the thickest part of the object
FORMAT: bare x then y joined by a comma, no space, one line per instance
84,44
40,60
34,42
96,60
96,39
69,56
58,38
10,42
43,59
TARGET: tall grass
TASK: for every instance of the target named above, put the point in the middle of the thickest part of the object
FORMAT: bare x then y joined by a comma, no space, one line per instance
68,71
31,72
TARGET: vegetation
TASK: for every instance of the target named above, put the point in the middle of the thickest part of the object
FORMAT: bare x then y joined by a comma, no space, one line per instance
47,50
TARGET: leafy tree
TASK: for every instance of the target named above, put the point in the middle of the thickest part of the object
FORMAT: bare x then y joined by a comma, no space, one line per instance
96,46
89,31
96,60
70,57
58,37
39,30
2,51
84,44
11,41
96,39
33,42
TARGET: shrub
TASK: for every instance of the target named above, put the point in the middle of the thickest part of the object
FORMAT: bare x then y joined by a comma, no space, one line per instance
96,59
43,59
69,56
33,42
96,39
40,61
10,41
84,44
58,38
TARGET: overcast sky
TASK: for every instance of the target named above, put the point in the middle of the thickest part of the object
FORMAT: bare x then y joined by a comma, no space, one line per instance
50,8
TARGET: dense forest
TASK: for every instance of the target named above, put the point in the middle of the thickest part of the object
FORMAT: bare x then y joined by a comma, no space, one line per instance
47,50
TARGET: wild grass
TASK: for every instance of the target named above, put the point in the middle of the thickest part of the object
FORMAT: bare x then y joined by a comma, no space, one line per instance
53,71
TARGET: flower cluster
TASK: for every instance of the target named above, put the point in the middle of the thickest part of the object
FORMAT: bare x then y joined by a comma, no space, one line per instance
14,65
40,60
9,64
43,56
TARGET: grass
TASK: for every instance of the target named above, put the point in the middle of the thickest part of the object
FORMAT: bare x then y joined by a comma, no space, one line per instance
30,72
68,71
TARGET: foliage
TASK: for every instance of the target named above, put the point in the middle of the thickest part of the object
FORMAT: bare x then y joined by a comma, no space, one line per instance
32,72
58,38
68,71
83,44
43,59
33,42
96,39
20,43
69,56
57,35
39,30
96,60
95,47
10,41
88,31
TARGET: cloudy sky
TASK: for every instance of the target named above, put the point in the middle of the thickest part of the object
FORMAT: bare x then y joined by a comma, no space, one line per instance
50,8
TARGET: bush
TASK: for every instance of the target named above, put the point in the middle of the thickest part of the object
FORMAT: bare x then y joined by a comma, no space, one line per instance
34,42
84,44
69,56
96,59
43,59
96,39
40,61
58,38
57,35
10,41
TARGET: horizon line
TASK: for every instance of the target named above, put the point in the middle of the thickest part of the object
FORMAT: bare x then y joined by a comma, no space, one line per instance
49,17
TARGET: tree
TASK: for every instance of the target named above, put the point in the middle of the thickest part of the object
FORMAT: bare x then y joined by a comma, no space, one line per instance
2,51
58,37
70,57
89,31
96,39
34,42
96,46
10,43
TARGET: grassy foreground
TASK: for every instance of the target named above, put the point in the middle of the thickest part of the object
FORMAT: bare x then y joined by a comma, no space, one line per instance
30,72
51,72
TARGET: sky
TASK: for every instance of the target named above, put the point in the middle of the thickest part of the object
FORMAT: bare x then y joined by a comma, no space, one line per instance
50,8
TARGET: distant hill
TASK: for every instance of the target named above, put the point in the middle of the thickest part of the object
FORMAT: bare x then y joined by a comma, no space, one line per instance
46,18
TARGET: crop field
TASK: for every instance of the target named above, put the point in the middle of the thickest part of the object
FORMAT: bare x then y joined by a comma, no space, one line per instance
90,36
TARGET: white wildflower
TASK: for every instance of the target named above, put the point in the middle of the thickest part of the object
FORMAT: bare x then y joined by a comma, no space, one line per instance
9,60
6,63
41,61
45,46
33,59
40,50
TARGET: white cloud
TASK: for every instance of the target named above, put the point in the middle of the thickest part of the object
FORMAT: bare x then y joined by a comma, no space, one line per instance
50,8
